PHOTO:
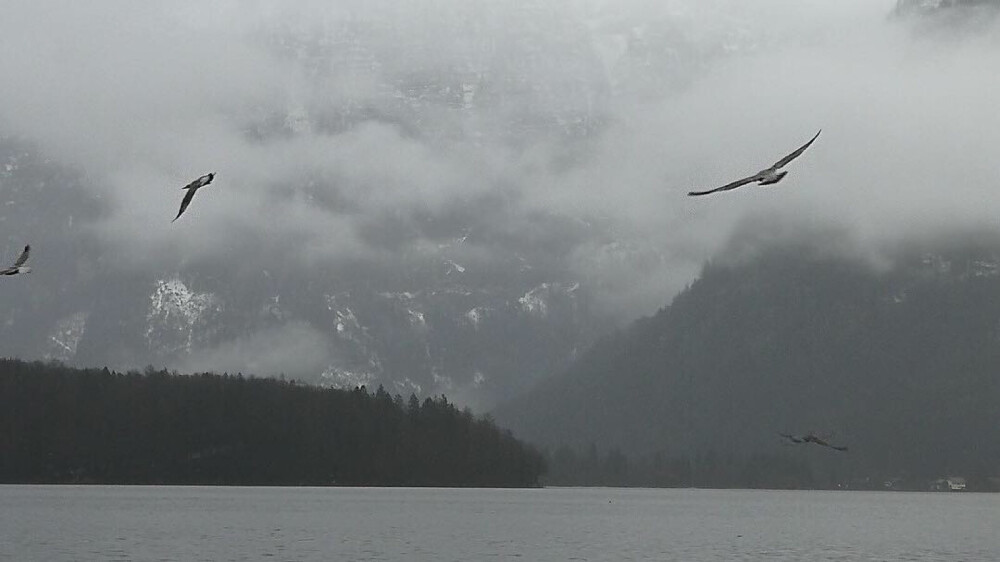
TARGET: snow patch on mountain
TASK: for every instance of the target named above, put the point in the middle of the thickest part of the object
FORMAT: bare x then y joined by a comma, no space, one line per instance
442,382
404,296
176,313
533,302
66,337
272,308
453,267
407,386
476,316
10,167
985,268
478,379
417,319
962,268
345,378
346,322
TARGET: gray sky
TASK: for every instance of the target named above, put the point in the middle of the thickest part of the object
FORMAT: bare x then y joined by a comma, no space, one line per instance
144,97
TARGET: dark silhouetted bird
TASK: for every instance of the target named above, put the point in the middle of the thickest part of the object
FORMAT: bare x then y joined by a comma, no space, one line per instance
811,438
19,266
191,189
764,177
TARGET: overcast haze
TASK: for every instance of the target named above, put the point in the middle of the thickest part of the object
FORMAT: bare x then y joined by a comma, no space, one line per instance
143,98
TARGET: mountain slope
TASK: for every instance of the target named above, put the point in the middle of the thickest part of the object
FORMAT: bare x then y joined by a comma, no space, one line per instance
440,321
474,297
901,364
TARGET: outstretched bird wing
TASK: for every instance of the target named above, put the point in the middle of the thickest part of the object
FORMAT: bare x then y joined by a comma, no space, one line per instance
200,182
728,186
798,152
824,443
184,203
23,257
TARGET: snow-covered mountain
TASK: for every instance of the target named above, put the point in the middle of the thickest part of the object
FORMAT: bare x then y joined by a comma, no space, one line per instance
481,309
476,330
473,296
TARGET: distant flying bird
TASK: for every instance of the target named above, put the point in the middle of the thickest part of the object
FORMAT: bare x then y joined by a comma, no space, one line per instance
764,177
191,189
811,438
19,266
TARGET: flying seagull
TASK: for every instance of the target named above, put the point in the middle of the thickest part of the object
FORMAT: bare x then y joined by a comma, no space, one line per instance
764,177
191,188
19,266
811,438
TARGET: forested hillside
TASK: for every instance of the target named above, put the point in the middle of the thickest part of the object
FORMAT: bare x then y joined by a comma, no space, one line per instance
63,425
897,360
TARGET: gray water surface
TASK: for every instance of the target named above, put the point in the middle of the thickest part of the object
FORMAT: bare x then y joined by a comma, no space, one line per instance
402,524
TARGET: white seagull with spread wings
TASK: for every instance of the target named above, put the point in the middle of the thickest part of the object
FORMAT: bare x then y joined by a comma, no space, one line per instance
191,188
19,266
764,177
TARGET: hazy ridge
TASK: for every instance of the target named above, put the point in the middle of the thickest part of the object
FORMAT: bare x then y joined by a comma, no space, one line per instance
896,358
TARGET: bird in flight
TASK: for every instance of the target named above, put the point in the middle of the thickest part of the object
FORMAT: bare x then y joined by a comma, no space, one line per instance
191,188
19,266
811,438
767,176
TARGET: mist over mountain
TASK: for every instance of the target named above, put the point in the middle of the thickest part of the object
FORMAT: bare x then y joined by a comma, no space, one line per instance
788,331
425,323
443,196
961,8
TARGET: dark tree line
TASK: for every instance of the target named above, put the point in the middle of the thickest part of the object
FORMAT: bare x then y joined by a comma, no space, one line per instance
799,468
65,425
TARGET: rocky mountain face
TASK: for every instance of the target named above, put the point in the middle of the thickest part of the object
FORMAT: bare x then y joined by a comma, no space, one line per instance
897,360
427,325
487,302
479,311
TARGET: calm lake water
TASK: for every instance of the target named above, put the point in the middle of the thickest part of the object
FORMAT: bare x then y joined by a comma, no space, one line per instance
209,523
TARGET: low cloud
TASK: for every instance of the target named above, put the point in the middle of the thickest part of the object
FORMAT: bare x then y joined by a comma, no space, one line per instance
143,98
296,350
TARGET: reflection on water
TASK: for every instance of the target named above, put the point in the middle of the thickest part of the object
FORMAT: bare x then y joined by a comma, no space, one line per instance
400,524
